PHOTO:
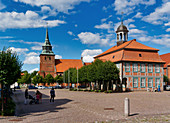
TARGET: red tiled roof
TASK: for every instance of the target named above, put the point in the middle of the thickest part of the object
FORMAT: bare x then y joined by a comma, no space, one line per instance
128,45
64,64
131,51
166,58
22,74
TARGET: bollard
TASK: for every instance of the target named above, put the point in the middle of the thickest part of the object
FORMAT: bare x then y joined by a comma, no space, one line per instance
127,107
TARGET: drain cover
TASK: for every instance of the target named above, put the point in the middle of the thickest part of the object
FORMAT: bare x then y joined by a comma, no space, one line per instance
16,120
108,108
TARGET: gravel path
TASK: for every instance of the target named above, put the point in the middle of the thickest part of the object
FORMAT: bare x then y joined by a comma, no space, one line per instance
78,107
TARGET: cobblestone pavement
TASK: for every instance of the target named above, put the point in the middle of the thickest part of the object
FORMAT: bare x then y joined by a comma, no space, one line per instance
78,107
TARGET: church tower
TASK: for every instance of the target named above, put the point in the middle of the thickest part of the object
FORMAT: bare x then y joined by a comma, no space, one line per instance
122,34
47,58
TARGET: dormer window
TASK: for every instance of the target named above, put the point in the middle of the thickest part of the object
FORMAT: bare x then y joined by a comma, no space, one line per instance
113,57
140,55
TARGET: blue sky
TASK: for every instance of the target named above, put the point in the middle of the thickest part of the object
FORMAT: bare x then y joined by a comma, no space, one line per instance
80,27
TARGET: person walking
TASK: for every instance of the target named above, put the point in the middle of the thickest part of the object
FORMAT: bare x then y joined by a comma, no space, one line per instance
26,96
52,93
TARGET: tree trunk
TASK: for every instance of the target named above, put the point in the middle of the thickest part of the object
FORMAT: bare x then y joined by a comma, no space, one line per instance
97,85
90,86
107,85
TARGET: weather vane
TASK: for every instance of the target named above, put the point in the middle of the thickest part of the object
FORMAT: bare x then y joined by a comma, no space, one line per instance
122,17
47,24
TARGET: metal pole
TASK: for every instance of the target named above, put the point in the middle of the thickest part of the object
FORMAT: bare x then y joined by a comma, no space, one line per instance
77,79
64,77
68,79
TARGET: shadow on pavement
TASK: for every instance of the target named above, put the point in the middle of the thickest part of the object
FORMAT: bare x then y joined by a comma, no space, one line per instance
38,109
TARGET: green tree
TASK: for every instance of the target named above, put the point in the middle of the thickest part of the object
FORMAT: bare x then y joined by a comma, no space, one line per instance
165,79
25,79
34,73
10,71
58,79
49,79
109,72
37,79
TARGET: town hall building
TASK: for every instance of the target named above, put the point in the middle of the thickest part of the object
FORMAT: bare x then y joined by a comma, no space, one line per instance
140,66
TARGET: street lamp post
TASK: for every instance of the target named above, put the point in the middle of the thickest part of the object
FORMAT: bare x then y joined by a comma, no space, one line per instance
68,79
77,79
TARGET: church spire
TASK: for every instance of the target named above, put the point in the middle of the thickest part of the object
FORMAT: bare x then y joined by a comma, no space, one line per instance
47,42
47,48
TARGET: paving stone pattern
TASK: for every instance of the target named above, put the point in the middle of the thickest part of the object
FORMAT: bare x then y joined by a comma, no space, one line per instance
83,107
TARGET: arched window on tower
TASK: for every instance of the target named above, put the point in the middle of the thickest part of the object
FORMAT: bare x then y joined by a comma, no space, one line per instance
45,58
124,36
117,37
49,58
121,36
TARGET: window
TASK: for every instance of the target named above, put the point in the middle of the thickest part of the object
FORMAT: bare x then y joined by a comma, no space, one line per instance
142,82
142,69
140,55
45,58
157,68
150,70
49,58
127,67
135,67
113,57
157,82
150,82
135,82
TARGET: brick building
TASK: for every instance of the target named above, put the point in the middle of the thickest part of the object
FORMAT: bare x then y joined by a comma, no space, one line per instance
140,66
50,65
166,58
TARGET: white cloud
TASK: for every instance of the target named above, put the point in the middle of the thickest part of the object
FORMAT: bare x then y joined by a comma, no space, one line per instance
35,69
89,54
138,15
163,39
168,30
76,25
29,19
167,24
132,31
48,10
70,33
6,37
104,19
132,26
107,26
32,54
18,50
160,15
58,57
36,48
32,60
27,42
88,58
91,38
59,5
128,6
